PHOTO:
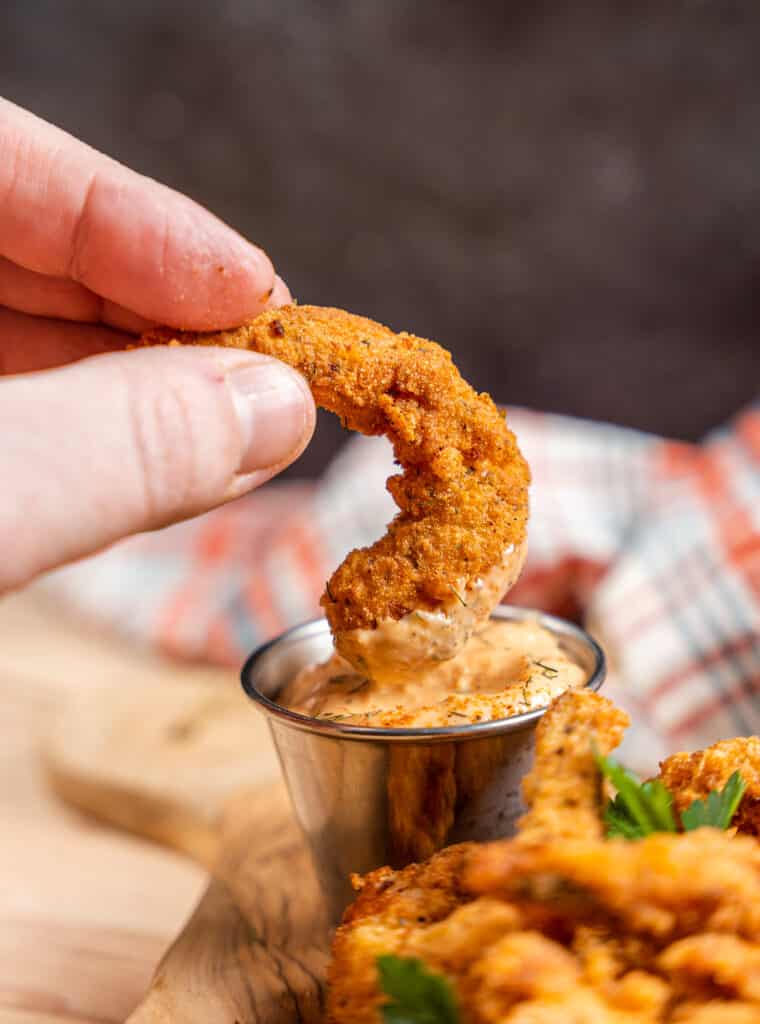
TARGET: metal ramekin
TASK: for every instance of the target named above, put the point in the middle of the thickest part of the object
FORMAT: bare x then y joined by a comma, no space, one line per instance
366,797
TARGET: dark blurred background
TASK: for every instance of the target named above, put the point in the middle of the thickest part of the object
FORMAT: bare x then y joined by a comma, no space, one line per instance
566,195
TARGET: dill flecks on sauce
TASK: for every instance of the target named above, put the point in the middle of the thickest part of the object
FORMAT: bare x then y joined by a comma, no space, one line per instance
506,669
548,671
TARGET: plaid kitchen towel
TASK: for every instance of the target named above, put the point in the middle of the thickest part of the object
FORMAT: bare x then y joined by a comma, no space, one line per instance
654,544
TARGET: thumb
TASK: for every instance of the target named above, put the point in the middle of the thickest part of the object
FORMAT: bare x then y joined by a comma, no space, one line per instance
131,441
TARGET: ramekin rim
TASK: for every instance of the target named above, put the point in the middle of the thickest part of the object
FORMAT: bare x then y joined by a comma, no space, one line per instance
380,734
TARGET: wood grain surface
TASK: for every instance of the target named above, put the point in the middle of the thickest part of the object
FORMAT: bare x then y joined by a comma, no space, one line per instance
191,766
254,950
159,761
87,912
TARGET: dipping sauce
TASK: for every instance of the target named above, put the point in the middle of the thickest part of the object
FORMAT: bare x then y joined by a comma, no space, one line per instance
506,669
397,651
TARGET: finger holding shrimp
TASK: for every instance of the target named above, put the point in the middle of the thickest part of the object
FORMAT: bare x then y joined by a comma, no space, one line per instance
416,595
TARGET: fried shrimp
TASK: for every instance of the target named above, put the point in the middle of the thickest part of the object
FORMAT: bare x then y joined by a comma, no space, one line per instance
561,925
458,542
691,777
662,886
563,790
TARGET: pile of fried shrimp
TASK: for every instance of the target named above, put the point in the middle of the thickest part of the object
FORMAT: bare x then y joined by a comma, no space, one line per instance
462,491
562,926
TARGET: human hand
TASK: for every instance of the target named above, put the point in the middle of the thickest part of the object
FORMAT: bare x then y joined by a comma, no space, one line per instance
101,443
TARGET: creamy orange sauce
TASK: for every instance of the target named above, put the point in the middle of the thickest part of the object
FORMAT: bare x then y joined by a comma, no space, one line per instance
396,651
505,669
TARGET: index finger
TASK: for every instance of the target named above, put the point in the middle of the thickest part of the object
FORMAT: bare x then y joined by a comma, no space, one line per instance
68,211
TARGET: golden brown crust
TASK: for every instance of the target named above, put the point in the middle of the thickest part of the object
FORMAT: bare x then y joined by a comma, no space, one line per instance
391,907
663,886
558,926
664,929
527,977
691,777
463,489
711,962
563,790
717,1011
428,890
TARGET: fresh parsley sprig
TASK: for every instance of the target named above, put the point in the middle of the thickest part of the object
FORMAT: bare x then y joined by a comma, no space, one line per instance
718,809
641,808
415,994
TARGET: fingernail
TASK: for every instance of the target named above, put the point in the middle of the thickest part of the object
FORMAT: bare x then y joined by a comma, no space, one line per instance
280,295
272,409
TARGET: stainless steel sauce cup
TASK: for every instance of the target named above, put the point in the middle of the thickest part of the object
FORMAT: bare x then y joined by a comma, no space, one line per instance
366,797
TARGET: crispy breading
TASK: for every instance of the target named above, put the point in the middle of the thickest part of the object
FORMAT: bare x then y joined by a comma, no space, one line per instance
662,886
640,992
614,965
520,967
417,912
581,1006
563,790
463,489
526,977
418,892
426,782
458,940
394,910
721,963
556,927
601,955
691,777
391,908
717,1011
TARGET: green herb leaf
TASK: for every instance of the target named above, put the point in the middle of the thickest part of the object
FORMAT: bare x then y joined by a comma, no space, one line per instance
642,808
618,821
639,808
622,820
416,995
718,810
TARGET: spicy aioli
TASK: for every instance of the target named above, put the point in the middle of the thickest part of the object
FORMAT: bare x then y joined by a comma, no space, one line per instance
506,669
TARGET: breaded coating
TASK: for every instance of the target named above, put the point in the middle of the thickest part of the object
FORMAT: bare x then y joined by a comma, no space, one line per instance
463,489
521,966
459,940
715,962
394,896
417,912
526,977
662,886
691,777
561,927
563,790
390,908
659,930
582,1006
640,992
717,1011
613,965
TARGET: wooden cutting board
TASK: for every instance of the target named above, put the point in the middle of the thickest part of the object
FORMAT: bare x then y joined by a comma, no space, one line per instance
187,766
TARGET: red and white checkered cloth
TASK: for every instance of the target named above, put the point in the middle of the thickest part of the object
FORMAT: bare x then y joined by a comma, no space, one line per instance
654,544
